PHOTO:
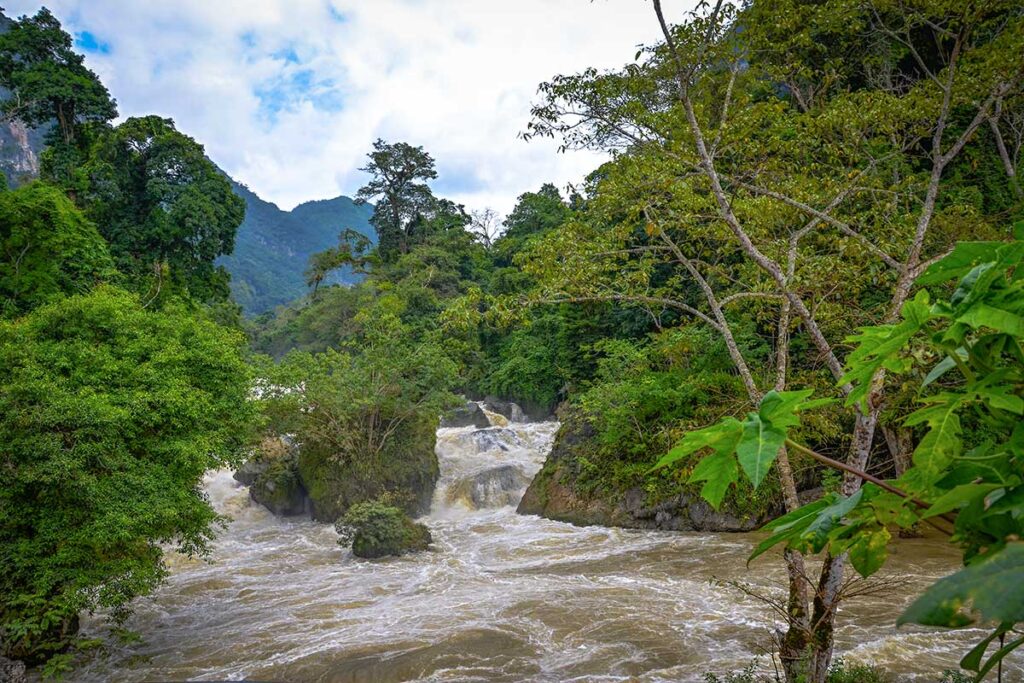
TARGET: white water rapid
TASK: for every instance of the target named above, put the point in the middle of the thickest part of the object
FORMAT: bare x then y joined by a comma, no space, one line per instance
500,597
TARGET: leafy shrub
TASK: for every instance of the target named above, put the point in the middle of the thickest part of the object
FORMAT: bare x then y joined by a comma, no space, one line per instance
375,529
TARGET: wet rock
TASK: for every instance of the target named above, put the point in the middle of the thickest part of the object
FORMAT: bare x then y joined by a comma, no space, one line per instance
555,494
491,488
513,412
375,529
249,470
272,475
495,439
11,671
468,415
279,490
405,471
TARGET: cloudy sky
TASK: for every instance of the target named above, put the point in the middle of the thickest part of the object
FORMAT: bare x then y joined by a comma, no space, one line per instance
287,95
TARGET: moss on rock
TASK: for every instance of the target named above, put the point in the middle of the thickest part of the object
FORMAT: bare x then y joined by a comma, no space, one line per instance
405,470
571,487
273,477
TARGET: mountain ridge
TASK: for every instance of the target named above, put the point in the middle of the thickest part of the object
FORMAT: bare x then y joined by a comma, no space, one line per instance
273,246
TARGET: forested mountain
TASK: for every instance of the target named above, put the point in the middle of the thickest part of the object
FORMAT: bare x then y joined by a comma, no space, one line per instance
273,246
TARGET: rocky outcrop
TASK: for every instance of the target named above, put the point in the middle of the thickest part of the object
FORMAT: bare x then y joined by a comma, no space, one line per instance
514,412
554,494
468,415
490,488
404,472
272,475
375,529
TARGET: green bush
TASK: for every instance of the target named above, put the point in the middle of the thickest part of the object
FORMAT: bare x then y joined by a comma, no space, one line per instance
375,529
109,417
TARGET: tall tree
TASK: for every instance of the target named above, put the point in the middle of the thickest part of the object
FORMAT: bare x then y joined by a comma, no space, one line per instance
742,155
48,82
109,417
399,185
166,209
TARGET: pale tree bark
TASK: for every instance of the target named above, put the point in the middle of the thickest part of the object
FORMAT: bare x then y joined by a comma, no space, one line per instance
830,582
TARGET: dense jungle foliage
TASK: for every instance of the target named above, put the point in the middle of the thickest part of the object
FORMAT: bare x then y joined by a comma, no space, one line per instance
780,175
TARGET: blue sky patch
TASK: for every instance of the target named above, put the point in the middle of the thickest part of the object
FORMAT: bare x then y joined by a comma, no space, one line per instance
292,88
88,42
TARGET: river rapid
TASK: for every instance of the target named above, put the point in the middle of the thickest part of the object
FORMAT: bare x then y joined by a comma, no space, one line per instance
500,597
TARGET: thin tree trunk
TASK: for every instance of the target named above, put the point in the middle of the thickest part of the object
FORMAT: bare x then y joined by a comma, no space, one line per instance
900,443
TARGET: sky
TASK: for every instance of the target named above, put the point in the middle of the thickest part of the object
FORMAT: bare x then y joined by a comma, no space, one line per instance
288,95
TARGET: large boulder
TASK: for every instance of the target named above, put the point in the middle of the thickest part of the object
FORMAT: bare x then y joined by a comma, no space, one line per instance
490,488
555,493
404,471
468,415
515,412
272,475
375,529
495,439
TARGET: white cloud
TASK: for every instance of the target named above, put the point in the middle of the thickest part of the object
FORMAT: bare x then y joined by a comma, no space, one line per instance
288,95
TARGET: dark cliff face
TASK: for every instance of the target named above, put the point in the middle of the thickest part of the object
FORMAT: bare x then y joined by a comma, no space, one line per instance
20,145
556,493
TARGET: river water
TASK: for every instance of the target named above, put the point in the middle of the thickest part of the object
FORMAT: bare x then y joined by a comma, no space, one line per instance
500,597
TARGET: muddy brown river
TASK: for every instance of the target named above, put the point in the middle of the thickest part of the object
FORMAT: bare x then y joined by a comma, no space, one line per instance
501,597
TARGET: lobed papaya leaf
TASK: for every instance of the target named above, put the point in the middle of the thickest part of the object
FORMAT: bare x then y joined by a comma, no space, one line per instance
959,497
718,472
758,447
716,436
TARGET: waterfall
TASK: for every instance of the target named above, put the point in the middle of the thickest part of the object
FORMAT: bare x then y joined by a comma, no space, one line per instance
488,467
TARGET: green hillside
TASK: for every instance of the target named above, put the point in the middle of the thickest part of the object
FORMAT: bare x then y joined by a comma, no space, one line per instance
273,246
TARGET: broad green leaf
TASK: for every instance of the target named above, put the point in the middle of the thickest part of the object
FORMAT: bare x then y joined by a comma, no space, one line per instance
717,471
818,530
779,407
1001,398
880,346
944,366
998,656
791,524
869,551
716,436
984,315
959,497
942,442
964,257
972,660
758,447
992,587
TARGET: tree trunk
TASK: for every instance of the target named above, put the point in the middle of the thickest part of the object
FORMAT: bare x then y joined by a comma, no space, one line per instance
901,446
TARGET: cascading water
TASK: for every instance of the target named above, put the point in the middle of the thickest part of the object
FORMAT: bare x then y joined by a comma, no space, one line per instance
500,597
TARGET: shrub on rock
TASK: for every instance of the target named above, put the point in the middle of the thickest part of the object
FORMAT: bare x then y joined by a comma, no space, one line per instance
375,529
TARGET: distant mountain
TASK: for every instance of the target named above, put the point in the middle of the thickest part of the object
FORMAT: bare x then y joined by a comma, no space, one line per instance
273,247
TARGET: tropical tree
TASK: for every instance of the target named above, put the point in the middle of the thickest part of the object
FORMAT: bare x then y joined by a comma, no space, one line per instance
109,417
398,184
963,353
49,83
167,211
48,249
771,174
